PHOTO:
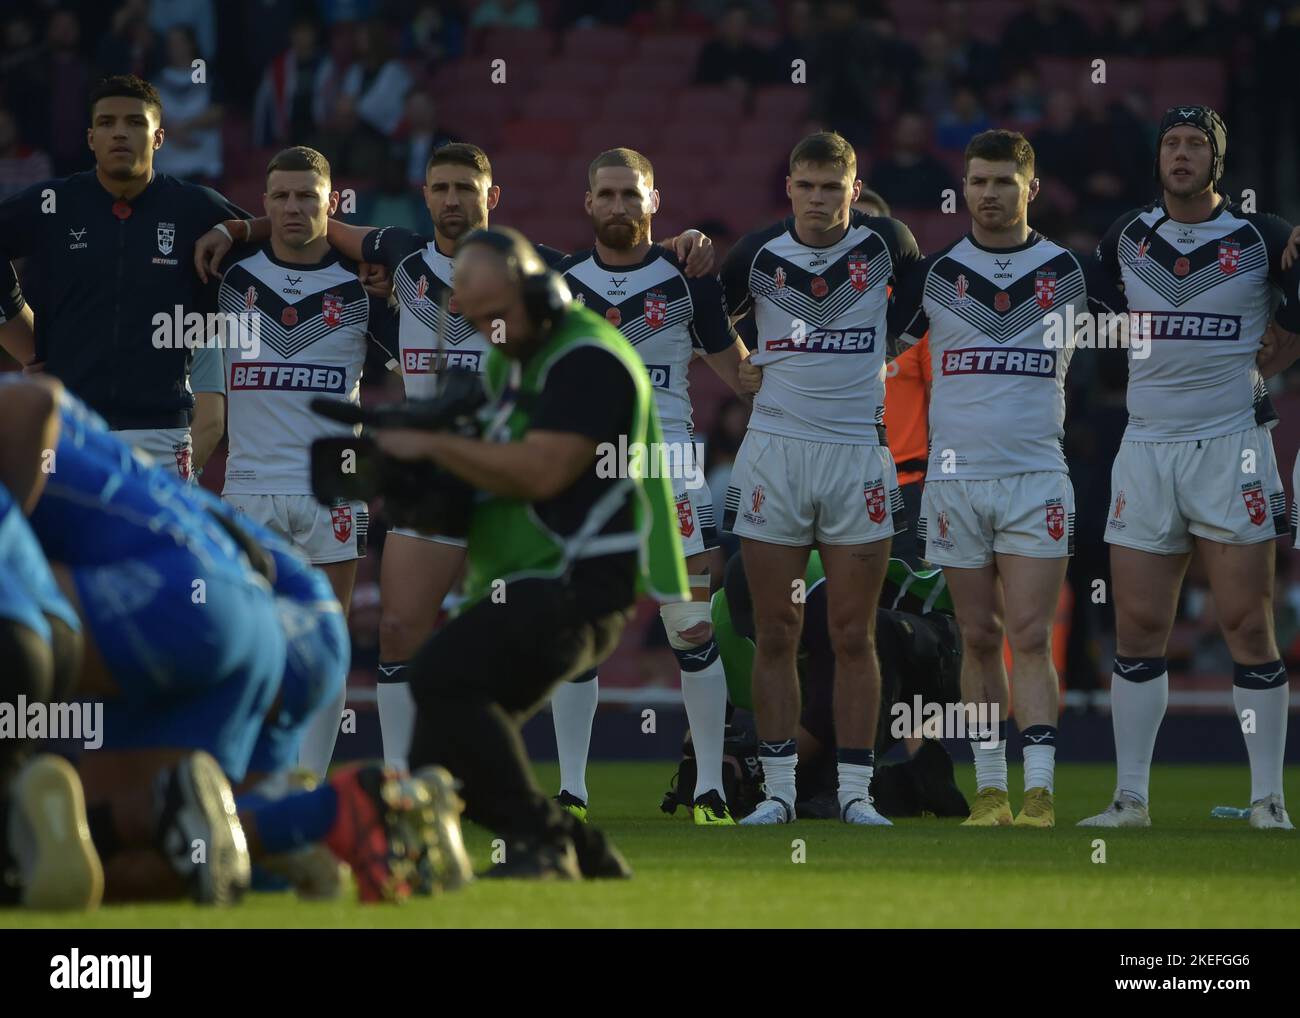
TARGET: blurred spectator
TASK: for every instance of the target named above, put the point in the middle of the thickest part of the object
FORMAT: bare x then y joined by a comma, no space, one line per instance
911,176
282,110
130,47
1049,29
22,77
796,42
970,58
850,69
962,122
1197,28
353,148
333,70
68,75
1126,33
392,201
338,12
668,17
506,14
20,165
437,32
191,114
378,81
931,85
419,136
730,58
1024,105
196,15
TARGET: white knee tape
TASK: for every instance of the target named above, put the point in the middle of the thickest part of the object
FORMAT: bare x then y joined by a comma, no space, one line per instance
680,617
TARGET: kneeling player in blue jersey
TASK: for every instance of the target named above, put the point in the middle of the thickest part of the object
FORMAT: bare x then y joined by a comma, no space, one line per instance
207,673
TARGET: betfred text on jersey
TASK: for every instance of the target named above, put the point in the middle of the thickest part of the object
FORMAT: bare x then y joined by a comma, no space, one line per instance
996,361
1100,331
416,361
293,377
217,330
826,341
677,460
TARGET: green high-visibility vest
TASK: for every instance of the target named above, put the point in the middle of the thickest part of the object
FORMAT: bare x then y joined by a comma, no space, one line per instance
508,540
917,592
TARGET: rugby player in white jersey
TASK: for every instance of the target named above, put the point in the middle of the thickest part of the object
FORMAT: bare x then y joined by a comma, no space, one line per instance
997,512
1196,468
814,467
312,317
418,570
642,289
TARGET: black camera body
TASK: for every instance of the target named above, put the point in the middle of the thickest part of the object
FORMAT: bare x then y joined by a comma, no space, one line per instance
419,495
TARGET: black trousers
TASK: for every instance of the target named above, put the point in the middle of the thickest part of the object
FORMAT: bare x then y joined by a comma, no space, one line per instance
479,678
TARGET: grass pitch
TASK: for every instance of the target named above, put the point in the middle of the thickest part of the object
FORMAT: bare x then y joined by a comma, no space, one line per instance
1188,870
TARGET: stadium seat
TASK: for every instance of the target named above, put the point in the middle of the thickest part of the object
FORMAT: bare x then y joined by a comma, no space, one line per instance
522,45
644,73
598,45
786,104
532,168
1200,80
595,77
690,134
600,135
556,103
555,136
671,49
633,105
709,103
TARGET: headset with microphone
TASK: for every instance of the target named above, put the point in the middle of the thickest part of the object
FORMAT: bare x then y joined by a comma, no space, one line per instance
546,294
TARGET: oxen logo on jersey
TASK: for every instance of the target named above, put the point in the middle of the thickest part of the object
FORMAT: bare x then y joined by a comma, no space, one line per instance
685,516
858,270
874,494
1055,519
250,298
289,317
1253,495
1045,289
1229,256
962,286
756,498
656,307
166,237
778,278
341,516
1002,300
614,316
331,309
1182,266
819,287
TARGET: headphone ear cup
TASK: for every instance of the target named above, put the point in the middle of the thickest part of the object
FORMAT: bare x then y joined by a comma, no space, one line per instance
545,297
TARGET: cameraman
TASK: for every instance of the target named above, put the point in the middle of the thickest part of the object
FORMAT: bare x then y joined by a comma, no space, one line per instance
558,549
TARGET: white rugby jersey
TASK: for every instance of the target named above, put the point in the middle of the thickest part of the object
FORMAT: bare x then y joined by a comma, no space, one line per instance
313,322
997,398
820,314
1210,289
421,274
662,313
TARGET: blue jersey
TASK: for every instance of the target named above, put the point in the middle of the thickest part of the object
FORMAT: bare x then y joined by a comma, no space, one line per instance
28,591
103,504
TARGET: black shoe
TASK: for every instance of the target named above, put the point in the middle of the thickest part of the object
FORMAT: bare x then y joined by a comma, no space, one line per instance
598,859
196,812
825,805
939,794
536,860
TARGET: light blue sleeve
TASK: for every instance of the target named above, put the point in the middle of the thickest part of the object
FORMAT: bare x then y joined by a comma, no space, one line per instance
208,370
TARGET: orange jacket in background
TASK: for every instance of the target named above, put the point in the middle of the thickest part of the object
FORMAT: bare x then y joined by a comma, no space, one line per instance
907,409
